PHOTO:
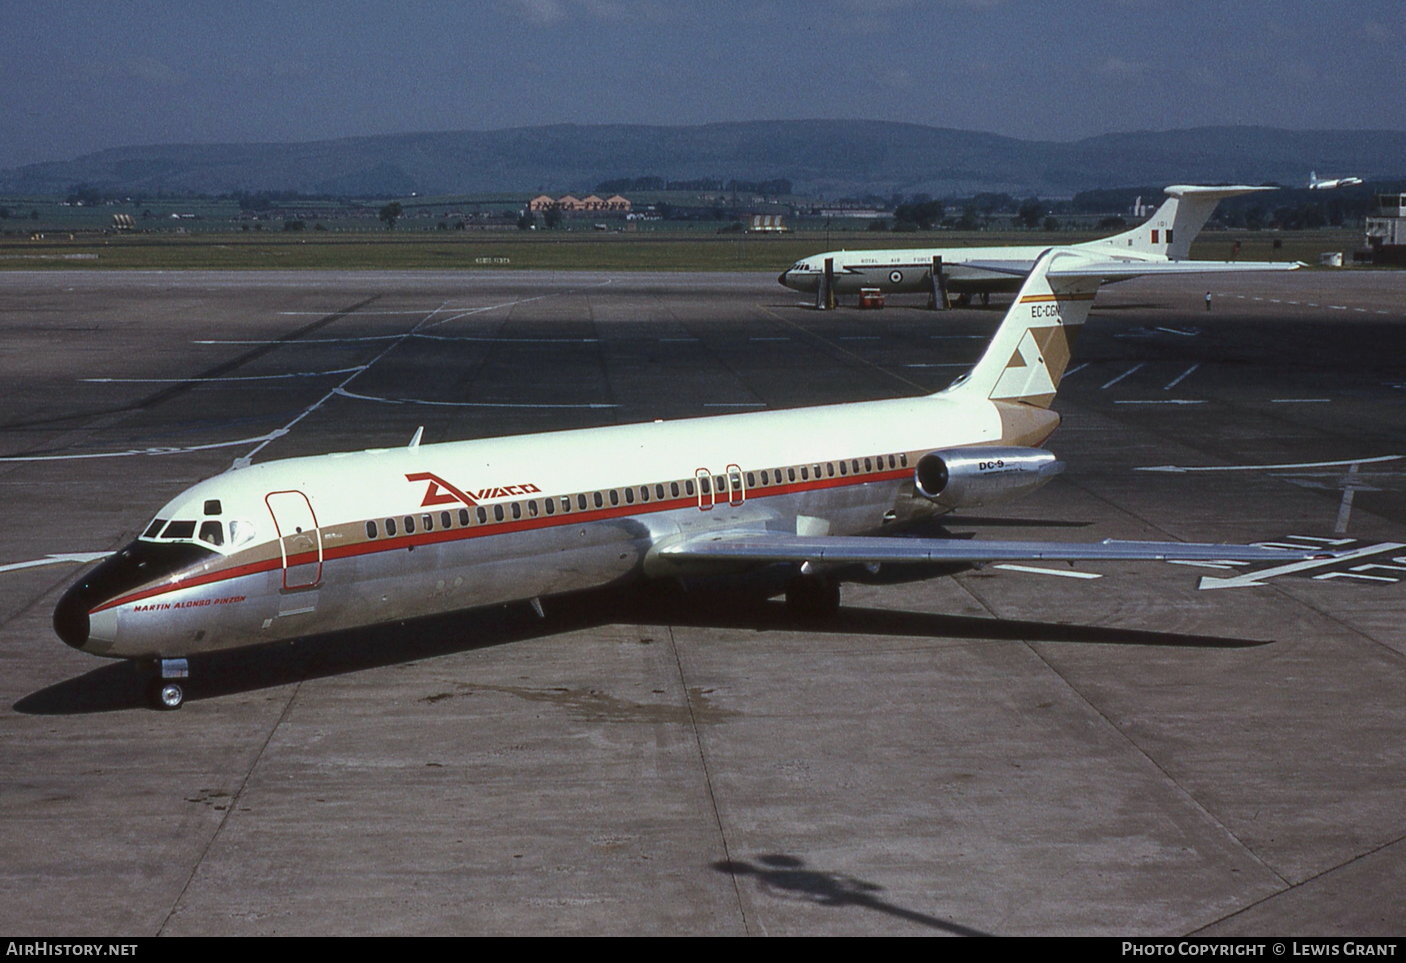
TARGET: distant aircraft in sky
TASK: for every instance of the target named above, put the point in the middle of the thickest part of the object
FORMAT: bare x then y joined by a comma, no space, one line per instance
330,542
1315,184
1165,236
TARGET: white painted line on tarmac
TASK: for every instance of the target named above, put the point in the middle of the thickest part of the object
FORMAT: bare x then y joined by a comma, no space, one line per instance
79,557
1162,401
277,433
461,404
1256,578
1180,378
1300,401
1198,564
495,340
373,337
1302,464
1110,384
182,381
1062,573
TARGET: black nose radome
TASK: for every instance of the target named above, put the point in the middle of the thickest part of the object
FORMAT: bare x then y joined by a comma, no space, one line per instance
139,564
71,617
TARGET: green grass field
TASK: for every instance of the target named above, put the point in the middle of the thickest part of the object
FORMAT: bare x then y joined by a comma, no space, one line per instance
566,250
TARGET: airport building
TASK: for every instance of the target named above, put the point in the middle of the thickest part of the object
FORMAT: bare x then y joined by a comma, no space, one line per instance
570,204
1386,230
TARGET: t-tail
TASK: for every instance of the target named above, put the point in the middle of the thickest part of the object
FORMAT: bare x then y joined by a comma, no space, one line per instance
1173,226
1030,351
1026,359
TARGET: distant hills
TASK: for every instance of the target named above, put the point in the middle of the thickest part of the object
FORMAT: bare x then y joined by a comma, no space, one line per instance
833,158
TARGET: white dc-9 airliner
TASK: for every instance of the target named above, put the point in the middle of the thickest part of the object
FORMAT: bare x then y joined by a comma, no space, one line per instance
308,545
1165,236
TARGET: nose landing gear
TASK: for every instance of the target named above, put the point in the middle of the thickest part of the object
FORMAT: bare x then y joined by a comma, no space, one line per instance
167,690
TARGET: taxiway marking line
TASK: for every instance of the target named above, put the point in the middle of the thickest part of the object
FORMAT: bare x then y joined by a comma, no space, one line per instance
1122,376
1180,378
1304,464
1255,578
1047,571
55,560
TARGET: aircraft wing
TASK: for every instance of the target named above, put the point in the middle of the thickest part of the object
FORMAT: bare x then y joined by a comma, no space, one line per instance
857,549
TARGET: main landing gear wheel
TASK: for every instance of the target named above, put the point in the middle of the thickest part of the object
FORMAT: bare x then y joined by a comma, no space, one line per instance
812,599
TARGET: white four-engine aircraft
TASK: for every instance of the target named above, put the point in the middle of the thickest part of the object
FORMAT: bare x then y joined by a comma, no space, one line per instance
1316,183
307,545
1165,236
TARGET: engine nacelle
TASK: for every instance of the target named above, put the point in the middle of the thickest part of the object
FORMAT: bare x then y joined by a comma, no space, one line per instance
971,477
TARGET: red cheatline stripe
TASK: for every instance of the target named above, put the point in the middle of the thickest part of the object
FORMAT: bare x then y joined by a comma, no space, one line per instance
483,530
1031,298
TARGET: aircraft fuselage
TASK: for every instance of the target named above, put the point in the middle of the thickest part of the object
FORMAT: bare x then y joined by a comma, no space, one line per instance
306,545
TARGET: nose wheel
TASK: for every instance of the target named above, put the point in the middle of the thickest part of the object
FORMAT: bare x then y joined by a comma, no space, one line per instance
167,690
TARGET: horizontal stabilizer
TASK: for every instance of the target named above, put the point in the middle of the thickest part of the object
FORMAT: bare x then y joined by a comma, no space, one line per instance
782,547
1121,268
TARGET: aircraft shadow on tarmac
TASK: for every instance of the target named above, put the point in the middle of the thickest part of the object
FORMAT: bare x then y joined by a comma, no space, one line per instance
744,603
787,877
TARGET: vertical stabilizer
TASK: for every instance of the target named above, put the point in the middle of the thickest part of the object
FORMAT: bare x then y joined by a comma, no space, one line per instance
1173,226
1027,357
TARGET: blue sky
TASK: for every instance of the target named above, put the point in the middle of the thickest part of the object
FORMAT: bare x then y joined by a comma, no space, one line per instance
78,76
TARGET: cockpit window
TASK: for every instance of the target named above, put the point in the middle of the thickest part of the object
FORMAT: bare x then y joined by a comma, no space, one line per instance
154,528
241,532
212,532
179,529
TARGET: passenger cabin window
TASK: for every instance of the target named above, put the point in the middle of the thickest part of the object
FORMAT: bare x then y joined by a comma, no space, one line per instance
371,529
444,520
390,526
410,524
